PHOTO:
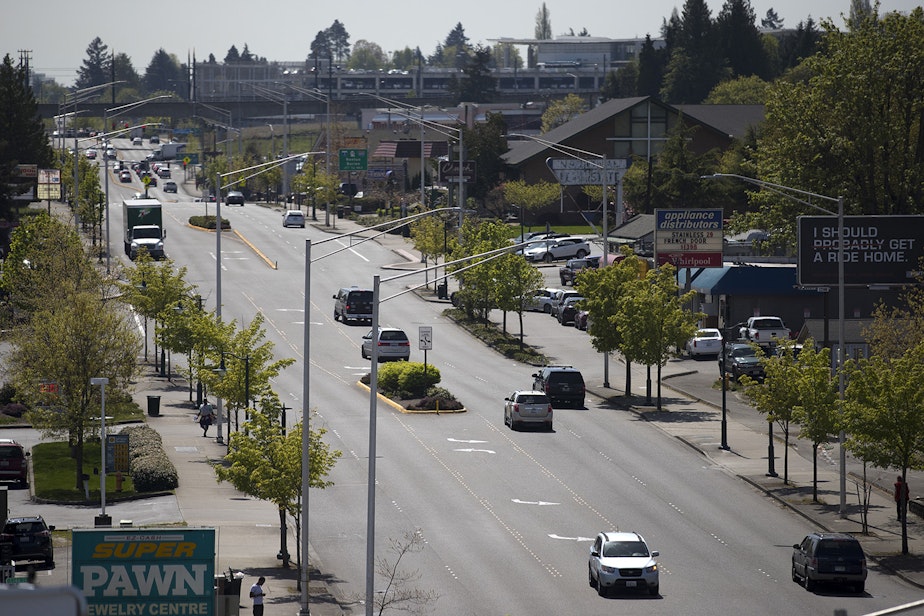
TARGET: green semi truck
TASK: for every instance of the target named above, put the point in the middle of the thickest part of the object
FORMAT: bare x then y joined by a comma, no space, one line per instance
144,227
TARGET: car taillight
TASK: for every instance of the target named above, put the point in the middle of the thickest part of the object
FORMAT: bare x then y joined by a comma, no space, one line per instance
516,407
548,410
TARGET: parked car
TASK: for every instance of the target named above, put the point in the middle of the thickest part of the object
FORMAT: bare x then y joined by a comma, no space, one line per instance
527,407
573,267
582,320
557,249
623,561
392,344
235,198
559,299
741,358
170,187
27,539
14,464
707,341
542,300
568,310
536,235
829,557
353,304
562,384
293,218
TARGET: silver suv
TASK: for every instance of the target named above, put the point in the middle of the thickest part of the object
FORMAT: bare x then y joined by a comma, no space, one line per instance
622,560
558,248
523,407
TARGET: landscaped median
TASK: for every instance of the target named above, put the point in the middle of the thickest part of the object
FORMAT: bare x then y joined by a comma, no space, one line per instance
411,387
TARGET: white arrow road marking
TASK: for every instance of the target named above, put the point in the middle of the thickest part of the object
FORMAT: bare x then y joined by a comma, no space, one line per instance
455,440
522,502
474,450
571,538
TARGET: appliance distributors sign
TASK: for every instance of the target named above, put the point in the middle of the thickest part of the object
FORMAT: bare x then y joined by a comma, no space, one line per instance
688,238
884,250
145,572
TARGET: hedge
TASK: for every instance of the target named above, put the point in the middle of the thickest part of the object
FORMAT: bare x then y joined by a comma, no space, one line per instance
149,467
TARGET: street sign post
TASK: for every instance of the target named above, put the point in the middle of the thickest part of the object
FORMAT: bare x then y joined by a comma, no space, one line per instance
578,172
449,171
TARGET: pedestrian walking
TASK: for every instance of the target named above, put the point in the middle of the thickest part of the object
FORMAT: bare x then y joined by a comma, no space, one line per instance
901,497
205,416
257,593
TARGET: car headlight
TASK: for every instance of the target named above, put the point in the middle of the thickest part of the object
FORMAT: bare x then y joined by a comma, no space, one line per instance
652,569
606,569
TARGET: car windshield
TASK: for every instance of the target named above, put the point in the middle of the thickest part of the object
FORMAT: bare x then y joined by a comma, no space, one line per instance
625,549
768,324
147,233
744,351
705,333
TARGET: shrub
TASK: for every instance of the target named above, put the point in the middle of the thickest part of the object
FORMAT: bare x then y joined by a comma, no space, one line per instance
13,409
437,398
407,379
149,467
7,393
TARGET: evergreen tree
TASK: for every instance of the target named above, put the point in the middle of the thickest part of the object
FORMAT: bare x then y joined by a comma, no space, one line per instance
477,85
163,74
485,142
771,21
95,68
320,46
799,45
860,11
739,42
543,24
695,66
125,71
233,56
651,64
339,40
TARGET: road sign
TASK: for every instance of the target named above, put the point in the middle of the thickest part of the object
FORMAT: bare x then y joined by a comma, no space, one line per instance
577,172
425,338
352,159
449,171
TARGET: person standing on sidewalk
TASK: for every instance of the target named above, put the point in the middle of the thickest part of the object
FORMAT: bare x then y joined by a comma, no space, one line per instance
206,416
257,593
901,497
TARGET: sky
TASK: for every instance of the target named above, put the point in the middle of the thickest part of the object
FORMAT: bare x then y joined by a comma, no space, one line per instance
57,32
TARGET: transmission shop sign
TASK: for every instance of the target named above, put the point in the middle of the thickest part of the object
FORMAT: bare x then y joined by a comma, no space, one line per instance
877,250
150,572
688,238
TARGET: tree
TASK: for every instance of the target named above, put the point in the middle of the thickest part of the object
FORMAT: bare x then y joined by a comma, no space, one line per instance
123,70
651,67
430,237
740,91
543,24
265,461
622,83
695,64
339,40
799,45
516,282
367,56
833,137
164,74
320,46
651,321
233,56
562,111
530,197
739,42
398,593
95,68
882,413
478,84
817,411
485,142
896,328
771,21
860,11
404,59
23,137
477,284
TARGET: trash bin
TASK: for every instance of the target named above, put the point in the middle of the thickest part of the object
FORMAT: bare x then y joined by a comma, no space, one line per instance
442,291
153,406
339,211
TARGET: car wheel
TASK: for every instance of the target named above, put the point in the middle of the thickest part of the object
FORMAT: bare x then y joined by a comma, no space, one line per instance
601,589
590,578
336,316
547,309
547,257
564,282
808,582
550,427
362,351
795,576
654,590
859,588
581,254
506,420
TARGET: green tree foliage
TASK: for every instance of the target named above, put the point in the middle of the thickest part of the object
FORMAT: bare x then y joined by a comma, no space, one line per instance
543,30
799,45
897,328
750,90
739,41
430,236
834,137
477,285
477,84
651,66
23,139
695,63
561,111
530,197
367,56
164,74
95,68
485,142
267,464
883,415
125,71
339,40
405,59
622,83
651,322
771,20
233,56
320,46
516,282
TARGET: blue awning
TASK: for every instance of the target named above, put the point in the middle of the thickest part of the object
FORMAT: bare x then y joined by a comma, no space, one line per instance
744,280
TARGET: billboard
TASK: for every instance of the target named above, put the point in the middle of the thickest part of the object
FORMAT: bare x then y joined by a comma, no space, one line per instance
145,572
880,250
688,238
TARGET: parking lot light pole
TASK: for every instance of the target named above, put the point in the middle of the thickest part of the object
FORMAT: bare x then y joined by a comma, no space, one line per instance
102,519
803,196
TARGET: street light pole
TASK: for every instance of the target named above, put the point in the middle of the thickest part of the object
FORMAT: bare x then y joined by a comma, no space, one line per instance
795,194
102,519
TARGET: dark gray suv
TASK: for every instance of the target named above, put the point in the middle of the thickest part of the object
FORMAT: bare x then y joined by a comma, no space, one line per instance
562,384
353,304
829,557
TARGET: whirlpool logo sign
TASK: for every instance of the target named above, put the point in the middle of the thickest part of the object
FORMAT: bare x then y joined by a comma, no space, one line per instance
154,572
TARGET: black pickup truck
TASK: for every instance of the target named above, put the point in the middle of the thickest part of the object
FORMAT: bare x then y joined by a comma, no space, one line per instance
570,270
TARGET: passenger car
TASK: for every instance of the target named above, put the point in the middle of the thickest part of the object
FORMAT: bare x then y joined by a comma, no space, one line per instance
622,560
293,218
568,310
559,248
829,557
13,463
125,175
91,154
741,358
582,320
154,139
28,538
136,140
573,267
170,187
393,344
235,198
706,341
562,384
353,304
523,407
559,299
542,300
164,172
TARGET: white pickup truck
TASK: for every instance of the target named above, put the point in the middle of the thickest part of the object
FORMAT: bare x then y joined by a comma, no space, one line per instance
765,331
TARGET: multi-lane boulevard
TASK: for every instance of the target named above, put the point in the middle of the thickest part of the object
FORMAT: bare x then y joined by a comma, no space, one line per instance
506,517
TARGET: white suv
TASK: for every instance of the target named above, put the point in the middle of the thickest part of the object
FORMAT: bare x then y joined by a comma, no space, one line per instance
558,248
293,218
622,560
